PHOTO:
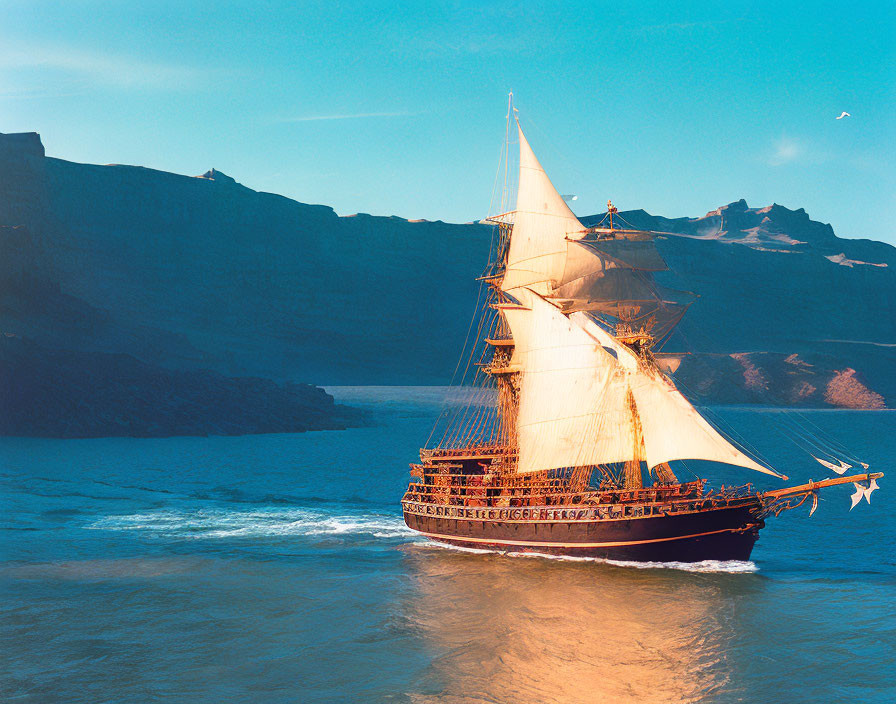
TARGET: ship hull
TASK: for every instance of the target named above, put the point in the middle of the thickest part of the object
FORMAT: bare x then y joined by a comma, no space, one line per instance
725,533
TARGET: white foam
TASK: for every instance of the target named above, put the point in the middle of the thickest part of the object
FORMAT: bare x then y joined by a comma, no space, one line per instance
218,523
720,566
725,566
254,523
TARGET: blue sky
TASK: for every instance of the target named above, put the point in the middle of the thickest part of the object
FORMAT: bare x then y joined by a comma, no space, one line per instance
398,108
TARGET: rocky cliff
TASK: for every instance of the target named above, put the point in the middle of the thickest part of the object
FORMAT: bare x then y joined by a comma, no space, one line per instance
201,272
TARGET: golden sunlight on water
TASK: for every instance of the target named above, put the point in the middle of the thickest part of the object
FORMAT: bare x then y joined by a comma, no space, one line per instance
506,629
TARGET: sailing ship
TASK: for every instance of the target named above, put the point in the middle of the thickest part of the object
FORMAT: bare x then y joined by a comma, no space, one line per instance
572,446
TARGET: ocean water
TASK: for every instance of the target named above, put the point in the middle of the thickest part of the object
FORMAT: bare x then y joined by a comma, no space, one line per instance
277,568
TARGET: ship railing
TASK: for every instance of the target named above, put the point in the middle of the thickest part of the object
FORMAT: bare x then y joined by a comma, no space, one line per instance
460,495
504,482
493,478
653,493
436,453
442,494
479,482
485,495
735,492
546,513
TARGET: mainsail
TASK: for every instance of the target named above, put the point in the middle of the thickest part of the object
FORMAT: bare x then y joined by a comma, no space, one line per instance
542,222
584,397
572,394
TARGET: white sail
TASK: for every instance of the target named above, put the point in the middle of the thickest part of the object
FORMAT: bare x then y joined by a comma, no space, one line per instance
581,261
542,222
672,428
572,409
577,381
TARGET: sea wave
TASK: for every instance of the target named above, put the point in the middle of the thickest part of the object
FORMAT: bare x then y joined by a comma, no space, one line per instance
725,566
214,523
280,521
717,566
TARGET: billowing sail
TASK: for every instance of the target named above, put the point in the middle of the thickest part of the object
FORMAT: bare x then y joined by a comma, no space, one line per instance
572,409
672,428
542,222
619,293
583,260
594,281
636,250
584,397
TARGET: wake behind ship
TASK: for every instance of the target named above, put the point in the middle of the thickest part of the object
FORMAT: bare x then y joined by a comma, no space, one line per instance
572,438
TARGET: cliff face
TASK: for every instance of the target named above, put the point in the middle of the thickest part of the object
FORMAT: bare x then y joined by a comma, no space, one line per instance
259,283
66,393
190,272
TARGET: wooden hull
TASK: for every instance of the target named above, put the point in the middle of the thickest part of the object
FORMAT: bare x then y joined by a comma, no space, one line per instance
715,533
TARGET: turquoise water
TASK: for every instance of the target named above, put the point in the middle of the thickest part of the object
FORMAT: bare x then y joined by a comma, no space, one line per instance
276,568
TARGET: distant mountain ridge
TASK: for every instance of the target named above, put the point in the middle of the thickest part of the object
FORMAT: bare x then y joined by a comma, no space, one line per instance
202,272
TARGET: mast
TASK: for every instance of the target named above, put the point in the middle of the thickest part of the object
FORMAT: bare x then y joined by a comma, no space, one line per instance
501,341
570,318
505,194
611,211
632,478
572,394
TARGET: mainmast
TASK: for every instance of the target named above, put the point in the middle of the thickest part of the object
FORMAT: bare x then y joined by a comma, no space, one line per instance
632,474
506,377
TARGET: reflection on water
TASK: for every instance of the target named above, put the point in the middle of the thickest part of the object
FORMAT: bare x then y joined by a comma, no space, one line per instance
276,568
504,629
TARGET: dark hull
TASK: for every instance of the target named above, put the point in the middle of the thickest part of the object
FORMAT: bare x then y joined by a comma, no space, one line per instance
723,533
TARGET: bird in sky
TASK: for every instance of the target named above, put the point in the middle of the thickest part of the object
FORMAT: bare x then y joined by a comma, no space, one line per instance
842,115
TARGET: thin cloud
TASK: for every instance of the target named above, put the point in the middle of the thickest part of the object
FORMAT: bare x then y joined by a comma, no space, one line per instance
29,94
786,151
687,26
97,67
346,116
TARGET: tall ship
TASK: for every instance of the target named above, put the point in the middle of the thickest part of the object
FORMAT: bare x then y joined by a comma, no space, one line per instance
573,436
